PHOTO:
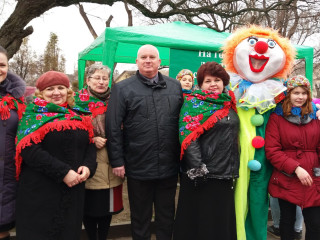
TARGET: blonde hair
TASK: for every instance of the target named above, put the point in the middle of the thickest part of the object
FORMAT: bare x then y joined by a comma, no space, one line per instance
253,30
70,96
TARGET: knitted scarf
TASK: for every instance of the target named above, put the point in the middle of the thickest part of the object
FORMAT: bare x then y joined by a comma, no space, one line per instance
89,104
8,103
296,111
200,111
42,117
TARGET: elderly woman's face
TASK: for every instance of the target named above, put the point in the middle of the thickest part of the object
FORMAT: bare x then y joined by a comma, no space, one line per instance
56,94
213,84
99,81
3,67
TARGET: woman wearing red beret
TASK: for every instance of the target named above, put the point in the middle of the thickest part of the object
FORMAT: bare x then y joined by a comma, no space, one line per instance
55,156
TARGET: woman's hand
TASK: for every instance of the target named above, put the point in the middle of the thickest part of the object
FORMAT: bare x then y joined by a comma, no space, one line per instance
71,179
119,171
84,173
303,176
99,142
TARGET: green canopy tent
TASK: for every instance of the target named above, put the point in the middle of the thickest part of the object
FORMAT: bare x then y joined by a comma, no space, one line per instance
181,45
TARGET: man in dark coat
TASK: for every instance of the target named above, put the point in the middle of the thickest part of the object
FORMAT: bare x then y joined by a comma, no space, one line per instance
142,132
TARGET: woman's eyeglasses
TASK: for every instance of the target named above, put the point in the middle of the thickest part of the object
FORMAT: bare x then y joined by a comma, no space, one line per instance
97,78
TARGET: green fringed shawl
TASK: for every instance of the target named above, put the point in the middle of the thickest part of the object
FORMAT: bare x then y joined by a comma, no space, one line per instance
200,111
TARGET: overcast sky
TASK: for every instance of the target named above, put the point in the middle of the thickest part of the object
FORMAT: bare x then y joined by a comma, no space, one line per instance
72,32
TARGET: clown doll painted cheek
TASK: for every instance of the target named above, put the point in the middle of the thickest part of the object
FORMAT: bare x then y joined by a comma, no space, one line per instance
257,59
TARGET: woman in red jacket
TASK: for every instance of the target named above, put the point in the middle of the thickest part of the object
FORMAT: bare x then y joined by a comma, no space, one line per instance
293,148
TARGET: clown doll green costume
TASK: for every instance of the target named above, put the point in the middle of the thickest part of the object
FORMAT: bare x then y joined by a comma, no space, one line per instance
257,59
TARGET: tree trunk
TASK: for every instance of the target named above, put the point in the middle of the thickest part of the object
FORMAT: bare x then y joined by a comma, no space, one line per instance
14,29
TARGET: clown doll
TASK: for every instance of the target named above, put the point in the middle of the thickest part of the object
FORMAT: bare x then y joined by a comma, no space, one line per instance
258,58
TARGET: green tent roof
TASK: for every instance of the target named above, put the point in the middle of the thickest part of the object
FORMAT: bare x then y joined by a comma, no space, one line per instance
120,44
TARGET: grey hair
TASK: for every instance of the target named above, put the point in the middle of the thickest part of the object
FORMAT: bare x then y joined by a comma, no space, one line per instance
96,66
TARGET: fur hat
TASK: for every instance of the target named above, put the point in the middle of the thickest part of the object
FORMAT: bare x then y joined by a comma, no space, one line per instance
52,78
297,81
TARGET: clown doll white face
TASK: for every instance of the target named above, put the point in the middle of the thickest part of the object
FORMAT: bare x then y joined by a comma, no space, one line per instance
256,59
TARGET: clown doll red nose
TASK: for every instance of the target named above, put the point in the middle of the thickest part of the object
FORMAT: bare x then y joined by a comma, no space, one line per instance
261,47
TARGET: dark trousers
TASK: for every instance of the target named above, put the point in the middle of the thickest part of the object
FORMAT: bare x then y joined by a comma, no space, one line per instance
142,196
205,211
94,225
288,217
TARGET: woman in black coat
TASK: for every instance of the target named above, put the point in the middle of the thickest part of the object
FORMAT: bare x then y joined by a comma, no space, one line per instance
208,128
55,155
12,88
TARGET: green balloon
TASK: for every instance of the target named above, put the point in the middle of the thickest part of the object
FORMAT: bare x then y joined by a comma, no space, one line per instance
257,120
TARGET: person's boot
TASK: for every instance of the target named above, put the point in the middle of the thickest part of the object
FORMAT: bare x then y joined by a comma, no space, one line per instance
274,231
297,235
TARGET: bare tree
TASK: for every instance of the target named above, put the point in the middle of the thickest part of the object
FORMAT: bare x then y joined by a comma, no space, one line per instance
108,22
221,15
25,63
87,21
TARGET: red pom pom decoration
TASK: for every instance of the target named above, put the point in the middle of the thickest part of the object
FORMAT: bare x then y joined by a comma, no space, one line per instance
261,47
257,142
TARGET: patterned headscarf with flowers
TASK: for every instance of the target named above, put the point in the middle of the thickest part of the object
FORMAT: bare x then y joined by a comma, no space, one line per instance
42,117
184,72
8,103
200,112
297,81
90,104
293,82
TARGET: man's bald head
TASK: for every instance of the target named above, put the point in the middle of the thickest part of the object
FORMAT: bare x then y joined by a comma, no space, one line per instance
148,60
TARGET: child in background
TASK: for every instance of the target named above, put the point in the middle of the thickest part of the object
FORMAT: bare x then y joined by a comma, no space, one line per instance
185,77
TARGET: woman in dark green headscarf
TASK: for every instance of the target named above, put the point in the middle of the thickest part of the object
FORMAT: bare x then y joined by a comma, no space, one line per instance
209,127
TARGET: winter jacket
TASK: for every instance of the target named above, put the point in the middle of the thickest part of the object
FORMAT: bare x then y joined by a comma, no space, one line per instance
148,145
217,148
103,178
288,146
8,128
46,207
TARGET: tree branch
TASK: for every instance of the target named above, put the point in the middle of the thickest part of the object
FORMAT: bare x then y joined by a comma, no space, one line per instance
87,21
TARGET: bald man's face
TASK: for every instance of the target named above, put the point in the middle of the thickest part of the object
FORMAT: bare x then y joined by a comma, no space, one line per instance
148,61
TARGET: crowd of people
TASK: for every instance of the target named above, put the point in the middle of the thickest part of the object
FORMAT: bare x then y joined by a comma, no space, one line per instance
64,155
